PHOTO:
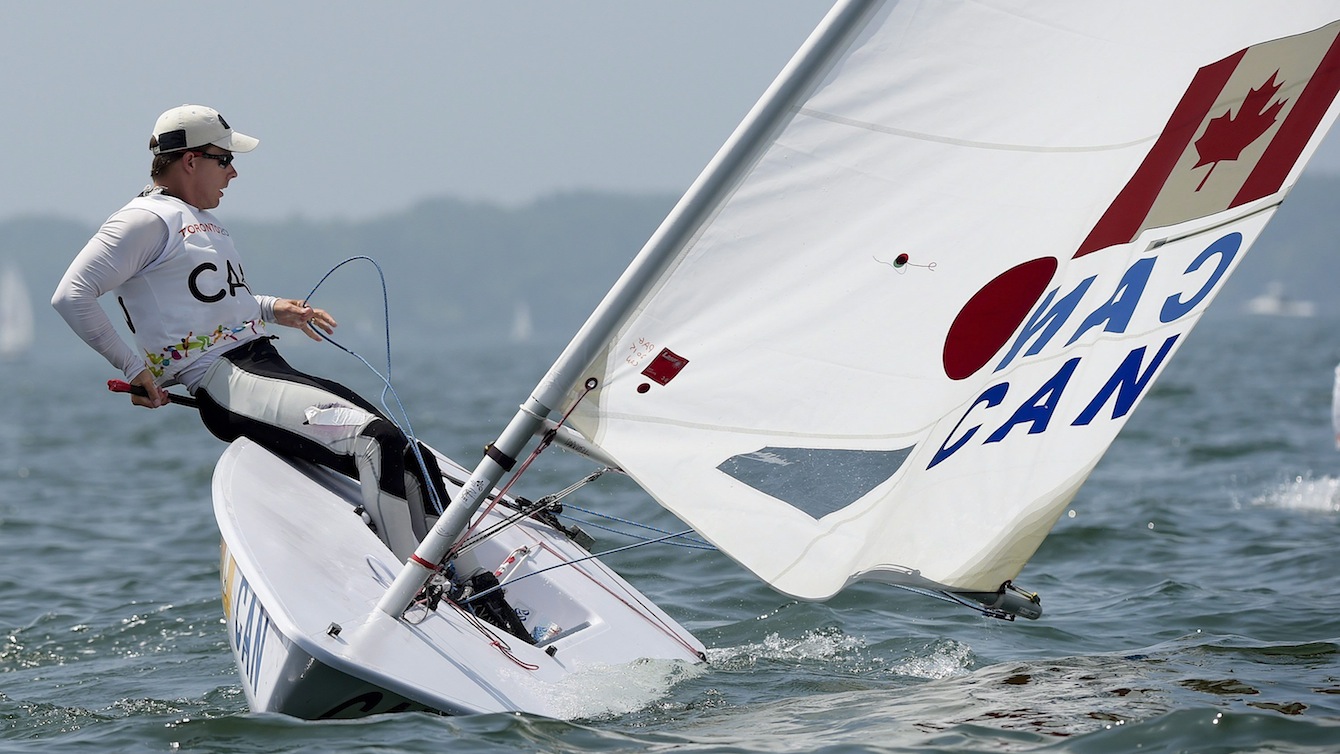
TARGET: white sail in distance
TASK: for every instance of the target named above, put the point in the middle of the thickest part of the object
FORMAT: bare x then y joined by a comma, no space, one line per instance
16,313
903,313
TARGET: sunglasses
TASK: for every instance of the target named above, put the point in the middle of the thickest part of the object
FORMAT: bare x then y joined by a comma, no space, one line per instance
224,160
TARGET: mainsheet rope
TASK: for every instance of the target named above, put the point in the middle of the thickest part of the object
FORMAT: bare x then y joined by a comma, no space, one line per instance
692,543
594,556
407,430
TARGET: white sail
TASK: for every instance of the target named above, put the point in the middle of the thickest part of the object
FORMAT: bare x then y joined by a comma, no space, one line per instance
908,307
16,313
1274,302
523,328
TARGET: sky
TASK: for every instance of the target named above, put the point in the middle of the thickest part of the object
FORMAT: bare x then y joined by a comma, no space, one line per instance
364,109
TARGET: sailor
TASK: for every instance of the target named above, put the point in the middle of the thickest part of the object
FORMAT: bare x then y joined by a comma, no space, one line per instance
178,279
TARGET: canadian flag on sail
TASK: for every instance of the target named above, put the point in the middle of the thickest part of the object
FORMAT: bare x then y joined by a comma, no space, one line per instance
1233,138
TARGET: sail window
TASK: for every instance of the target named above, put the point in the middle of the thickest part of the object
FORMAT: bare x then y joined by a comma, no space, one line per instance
815,480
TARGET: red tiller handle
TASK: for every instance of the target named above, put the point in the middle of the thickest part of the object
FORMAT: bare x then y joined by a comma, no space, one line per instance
121,386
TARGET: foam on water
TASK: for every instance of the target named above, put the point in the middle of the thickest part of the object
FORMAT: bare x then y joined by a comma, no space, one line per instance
602,691
1305,494
944,659
818,644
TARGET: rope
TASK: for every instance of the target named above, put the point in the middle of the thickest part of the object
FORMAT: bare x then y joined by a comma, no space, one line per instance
637,605
407,430
543,504
693,542
540,448
494,639
565,563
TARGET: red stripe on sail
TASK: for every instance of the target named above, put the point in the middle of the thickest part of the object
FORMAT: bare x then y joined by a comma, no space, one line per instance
1282,152
1128,211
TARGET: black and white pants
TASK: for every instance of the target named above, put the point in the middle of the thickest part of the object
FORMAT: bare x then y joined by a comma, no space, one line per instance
252,392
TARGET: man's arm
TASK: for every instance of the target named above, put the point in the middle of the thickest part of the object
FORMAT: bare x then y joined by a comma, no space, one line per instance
124,245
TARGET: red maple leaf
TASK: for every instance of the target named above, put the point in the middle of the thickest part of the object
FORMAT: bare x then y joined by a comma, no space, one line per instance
1226,136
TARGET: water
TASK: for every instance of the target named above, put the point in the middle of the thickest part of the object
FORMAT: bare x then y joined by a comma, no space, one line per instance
1192,596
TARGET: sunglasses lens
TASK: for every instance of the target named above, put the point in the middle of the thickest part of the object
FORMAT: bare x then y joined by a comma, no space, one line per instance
224,160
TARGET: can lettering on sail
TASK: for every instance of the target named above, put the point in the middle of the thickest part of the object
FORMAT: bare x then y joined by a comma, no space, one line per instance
1150,305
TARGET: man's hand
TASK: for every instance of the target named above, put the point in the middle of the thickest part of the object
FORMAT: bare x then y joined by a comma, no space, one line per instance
156,396
298,314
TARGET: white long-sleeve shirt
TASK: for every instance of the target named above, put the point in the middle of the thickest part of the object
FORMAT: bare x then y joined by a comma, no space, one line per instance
130,243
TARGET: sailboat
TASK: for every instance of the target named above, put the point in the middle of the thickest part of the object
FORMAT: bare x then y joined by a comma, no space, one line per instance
885,336
523,328
1273,302
16,314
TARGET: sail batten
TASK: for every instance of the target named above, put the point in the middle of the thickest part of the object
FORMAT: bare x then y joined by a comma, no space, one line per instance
896,323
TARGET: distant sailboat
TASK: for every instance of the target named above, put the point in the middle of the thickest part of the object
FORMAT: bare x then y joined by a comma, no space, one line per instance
1273,302
16,314
522,327
1335,406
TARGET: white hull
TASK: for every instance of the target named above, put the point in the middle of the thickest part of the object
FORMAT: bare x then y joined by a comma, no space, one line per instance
302,576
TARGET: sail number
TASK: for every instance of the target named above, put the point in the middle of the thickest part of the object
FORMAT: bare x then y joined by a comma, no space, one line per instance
639,351
371,703
1056,314
249,629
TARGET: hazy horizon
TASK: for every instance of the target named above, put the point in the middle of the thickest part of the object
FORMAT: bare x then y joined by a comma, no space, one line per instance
366,110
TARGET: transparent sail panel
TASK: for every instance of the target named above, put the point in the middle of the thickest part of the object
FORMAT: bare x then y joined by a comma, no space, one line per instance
817,481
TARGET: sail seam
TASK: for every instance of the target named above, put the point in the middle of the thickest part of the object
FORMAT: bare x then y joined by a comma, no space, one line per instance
730,429
920,136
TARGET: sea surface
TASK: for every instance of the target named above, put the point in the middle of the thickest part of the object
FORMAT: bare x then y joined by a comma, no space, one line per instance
1192,594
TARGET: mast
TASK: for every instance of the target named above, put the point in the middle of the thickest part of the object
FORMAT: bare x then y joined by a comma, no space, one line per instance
730,164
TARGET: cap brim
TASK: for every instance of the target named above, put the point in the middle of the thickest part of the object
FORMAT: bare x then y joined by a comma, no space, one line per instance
237,142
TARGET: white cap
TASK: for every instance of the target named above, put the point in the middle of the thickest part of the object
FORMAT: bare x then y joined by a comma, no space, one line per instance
193,126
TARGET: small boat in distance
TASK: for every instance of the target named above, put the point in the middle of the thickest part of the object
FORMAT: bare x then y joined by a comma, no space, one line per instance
16,313
523,329
1274,303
